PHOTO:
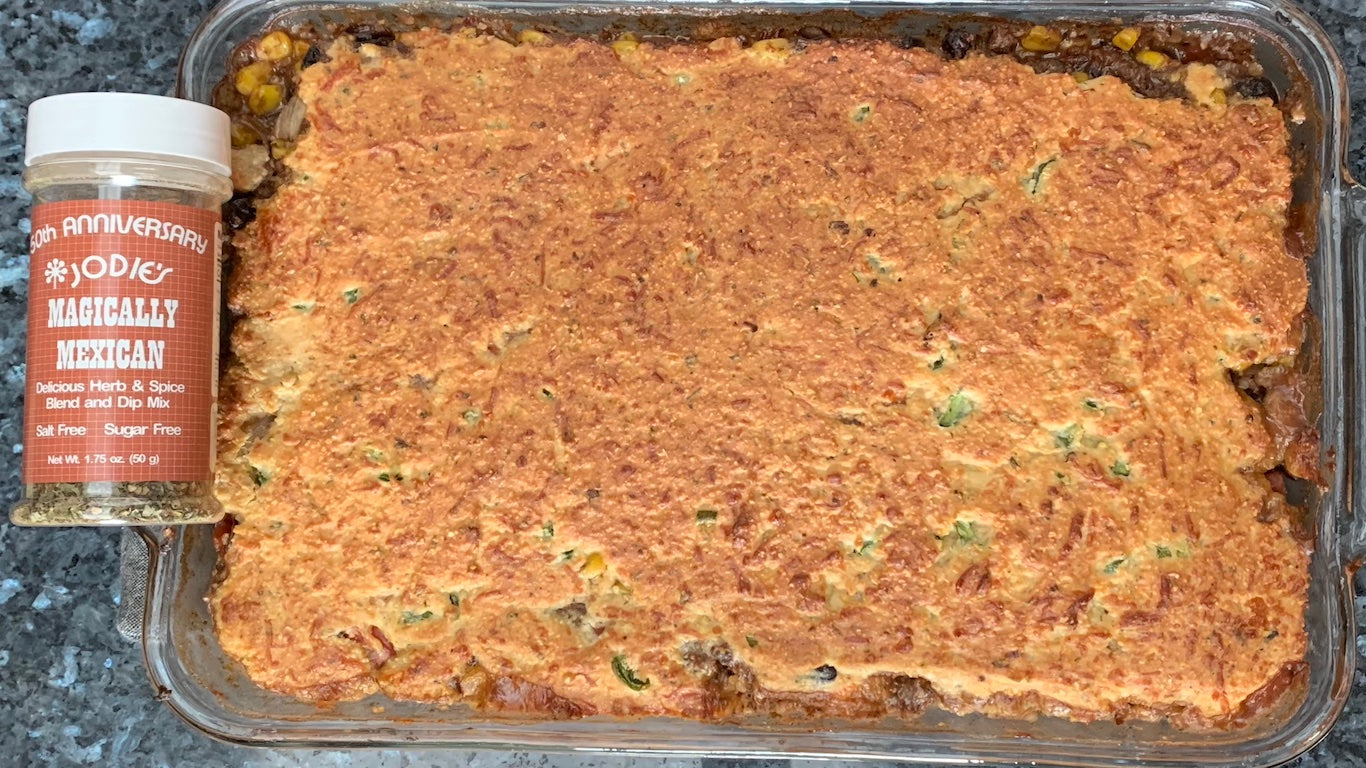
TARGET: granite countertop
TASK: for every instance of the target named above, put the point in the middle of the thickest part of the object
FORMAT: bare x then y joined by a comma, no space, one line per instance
72,691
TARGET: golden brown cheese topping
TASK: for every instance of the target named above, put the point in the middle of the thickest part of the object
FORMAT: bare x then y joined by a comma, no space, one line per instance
698,380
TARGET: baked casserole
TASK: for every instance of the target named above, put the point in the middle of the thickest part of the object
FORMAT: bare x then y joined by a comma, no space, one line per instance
834,380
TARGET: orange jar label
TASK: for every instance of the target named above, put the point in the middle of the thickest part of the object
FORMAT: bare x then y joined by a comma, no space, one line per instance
122,342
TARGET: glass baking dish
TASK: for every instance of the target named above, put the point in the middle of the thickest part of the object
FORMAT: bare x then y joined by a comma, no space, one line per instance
212,693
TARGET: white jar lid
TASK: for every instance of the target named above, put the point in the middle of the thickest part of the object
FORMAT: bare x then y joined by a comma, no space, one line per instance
116,123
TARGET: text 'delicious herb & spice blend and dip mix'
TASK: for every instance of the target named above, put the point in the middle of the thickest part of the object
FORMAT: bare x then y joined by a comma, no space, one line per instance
123,309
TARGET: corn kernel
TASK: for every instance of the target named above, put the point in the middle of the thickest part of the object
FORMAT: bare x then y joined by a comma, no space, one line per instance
1152,59
251,77
1041,40
1080,77
280,149
275,46
243,135
301,49
266,98
1218,96
1125,38
533,37
593,566
625,47
773,45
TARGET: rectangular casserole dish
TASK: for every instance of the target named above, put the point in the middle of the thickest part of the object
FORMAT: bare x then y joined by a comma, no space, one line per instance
212,693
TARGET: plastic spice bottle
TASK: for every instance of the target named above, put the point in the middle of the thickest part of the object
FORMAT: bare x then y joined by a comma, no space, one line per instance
125,245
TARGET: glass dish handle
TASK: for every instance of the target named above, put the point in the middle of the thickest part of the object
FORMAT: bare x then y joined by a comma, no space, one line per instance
134,566
136,549
1354,235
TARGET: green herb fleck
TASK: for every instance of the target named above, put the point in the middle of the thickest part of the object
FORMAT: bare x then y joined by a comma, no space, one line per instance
954,411
937,363
375,455
875,261
627,675
862,112
413,617
1113,566
752,641
1035,181
547,530
303,306
546,394
1163,552
385,477
472,416
352,295
259,477
565,556
1092,405
706,516
865,549
1120,468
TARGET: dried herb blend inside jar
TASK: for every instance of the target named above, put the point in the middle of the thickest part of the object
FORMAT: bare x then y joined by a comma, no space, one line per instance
125,247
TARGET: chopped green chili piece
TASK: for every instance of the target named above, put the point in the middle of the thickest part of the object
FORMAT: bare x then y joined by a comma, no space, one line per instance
303,306
964,533
706,516
1113,566
259,477
413,617
472,416
954,411
627,675
752,641
862,112
1163,552
547,530
1066,438
826,673
1120,468
352,295
1092,405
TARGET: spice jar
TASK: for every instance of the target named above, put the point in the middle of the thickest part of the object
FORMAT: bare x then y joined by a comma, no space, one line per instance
125,245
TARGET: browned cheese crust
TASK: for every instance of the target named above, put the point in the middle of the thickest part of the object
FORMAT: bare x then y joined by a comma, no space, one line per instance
743,369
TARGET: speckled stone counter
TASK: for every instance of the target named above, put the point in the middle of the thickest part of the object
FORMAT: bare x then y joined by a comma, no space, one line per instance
72,691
